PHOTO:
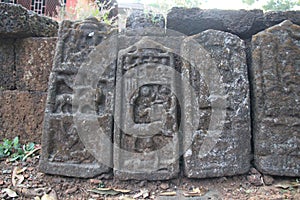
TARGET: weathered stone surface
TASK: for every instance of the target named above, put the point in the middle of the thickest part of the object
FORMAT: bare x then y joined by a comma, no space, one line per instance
7,64
64,151
34,59
140,19
75,96
243,23
191,21
276,105
16,22
221,145
21,114
76,41
273,18
146,113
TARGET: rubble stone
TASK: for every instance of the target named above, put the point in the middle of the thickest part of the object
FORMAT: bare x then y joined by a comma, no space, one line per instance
17,22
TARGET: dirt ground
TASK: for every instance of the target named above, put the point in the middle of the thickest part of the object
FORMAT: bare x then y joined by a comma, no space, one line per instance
22,180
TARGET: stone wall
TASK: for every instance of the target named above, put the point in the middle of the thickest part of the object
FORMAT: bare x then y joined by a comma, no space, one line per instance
256,54
27,46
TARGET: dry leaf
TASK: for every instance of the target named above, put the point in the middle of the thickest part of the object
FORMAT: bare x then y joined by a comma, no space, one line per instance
142,193
21,170
167,194
104,192
47,197
71,190
95,181
31,152
295,184
122,190
194,193
53,194
15,178
28,192
10,193
125,198
103,189
283,186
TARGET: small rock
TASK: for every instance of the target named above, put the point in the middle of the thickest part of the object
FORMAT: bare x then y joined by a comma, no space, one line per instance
268,180
95,196
26,175
30,168
56,180
95,181
142,183
254,171
106,176
53,194
8,171
222,179
255,179
164,186
71,190
297,196
57,187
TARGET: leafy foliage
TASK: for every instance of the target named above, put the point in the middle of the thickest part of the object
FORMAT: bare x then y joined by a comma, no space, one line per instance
249,2
277,5
14,150
98,9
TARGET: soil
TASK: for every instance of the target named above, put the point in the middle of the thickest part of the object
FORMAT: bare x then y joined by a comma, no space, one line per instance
27,182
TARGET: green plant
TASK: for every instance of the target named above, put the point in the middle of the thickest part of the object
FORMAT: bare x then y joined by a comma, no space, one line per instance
16,151
97,9
6,148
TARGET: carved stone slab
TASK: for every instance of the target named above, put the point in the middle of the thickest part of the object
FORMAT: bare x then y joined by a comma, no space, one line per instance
221,141
146,117
276,103
64,153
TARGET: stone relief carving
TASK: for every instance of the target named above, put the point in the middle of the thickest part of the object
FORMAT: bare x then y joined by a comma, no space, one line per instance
63,148
68,147
149,118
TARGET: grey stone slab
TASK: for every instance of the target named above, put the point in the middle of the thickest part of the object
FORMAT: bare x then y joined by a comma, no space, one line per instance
146,129
221,141
276,105
191,21
79,109
17,22
243,23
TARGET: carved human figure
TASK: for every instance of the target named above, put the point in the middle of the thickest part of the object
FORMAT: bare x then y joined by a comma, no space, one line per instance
142,104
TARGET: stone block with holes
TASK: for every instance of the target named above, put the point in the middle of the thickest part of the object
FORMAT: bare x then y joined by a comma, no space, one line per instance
34,59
